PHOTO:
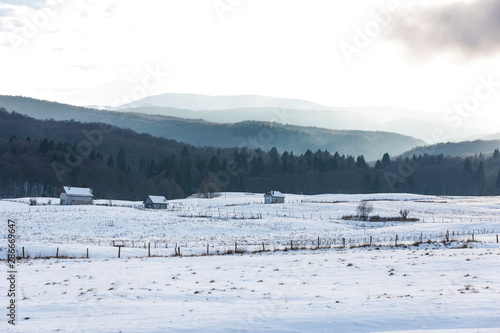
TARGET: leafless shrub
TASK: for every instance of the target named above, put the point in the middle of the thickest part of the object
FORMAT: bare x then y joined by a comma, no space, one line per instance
364,209
404,213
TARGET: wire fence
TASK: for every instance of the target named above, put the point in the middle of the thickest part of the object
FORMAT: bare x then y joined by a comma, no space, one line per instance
131,248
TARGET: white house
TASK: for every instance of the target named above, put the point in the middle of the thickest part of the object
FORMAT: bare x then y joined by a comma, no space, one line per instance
76,196
274,197
156,202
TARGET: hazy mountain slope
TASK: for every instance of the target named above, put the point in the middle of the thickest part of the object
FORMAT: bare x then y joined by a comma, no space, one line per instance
462,149
493,136
263,135
328,119
417,124
366,143
206,102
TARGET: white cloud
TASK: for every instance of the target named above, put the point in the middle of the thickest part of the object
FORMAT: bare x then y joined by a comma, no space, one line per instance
469,29
93,52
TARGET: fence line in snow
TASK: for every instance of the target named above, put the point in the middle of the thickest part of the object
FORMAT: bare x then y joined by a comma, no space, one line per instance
394,240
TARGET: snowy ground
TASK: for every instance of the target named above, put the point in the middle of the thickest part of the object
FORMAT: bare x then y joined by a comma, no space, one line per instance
429,287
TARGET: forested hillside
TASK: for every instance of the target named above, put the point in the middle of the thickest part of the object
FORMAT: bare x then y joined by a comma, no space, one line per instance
37,157
249,134
462,149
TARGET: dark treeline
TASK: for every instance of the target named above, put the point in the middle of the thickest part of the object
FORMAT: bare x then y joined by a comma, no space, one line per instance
38,157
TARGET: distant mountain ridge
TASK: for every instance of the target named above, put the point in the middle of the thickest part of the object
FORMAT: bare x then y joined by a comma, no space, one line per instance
224,109
199,102
251,134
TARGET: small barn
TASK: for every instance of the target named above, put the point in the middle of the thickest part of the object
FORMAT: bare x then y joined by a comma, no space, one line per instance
76,196
155,202
274,197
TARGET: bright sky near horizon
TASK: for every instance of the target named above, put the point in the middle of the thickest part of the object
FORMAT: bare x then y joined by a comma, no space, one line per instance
419,55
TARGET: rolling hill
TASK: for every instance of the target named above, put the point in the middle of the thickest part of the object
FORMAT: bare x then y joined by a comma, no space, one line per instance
461,149
251,134
205,102
232,109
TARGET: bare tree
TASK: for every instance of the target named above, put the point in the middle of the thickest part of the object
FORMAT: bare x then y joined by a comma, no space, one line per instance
404,213
364,209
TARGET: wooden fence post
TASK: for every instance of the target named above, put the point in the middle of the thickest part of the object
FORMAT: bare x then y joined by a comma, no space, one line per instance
208,247
396,242
235,247
23,247
149,249
119,248
87,253
343,242
57,253
370,240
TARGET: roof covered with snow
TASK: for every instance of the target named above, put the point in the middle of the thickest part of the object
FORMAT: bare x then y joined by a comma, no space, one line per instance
276,194
78,191
157,199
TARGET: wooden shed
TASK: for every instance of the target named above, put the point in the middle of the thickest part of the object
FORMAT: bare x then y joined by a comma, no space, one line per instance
156,202
70,195
274,197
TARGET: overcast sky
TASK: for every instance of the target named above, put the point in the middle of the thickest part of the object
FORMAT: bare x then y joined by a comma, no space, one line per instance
420,55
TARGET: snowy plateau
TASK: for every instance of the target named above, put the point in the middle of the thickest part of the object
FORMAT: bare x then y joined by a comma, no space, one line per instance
235,264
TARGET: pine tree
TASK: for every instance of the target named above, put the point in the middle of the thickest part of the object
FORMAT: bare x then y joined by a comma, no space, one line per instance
480,178
467,165
214,165
256,166
284,162
44,146
151,169
241,159
360,162
308,158
121,162
368,181
185,152
496,154
142,165
201,164
111,162
386,160
335,161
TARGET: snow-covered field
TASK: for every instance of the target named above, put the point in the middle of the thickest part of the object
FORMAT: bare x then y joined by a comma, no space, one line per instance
427,287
